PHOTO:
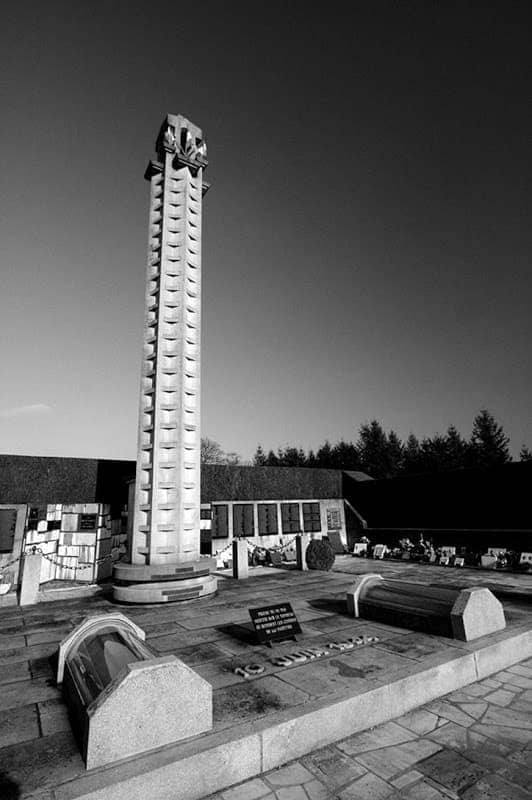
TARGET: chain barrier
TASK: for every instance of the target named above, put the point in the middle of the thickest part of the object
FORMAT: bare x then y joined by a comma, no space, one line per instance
80,566
278,548
9,563
219,552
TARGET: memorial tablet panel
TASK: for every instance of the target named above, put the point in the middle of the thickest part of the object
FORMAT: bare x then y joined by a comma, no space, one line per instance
275,623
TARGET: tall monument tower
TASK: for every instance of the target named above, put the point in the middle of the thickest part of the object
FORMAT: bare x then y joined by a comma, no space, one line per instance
165,539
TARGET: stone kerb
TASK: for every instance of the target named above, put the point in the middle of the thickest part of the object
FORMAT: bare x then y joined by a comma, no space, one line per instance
148,705
93,623
476,613
354,594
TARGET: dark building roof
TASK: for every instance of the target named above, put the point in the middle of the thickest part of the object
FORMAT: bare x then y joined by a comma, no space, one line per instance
49,479
44,479
268,483
498,497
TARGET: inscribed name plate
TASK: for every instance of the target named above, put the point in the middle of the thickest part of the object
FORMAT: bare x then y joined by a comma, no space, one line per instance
274,623
87,522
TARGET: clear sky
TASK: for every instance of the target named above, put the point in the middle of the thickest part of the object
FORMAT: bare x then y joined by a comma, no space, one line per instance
367,236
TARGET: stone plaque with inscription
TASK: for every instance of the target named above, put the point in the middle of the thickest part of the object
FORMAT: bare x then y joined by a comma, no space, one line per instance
275,623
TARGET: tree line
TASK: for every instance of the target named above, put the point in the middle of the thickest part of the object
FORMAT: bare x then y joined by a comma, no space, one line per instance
384,455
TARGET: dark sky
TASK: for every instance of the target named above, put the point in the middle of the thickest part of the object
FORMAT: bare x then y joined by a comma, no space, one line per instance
367,235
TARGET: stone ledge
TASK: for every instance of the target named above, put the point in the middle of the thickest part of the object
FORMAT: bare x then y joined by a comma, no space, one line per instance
211,762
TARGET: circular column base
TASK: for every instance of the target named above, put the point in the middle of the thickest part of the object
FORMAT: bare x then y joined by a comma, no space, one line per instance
165,591
164,583
142,573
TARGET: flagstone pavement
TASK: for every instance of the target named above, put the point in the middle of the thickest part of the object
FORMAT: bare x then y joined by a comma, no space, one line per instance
473,744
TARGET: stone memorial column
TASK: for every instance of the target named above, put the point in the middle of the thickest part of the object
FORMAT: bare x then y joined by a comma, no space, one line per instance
165,539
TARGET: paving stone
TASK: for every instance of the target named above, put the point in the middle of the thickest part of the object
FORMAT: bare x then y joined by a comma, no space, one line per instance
42,763
522,706
419,721
475,710
384,736
252,700
523,757
44,637
511,736
23,693
416,646
369,787
333,767
18,725
10,657
452,770
250,790
486,752
16,672
219,673
476,689
12,642
509,717
391,760
450,735
508,687
319,678
317,791
500,697
520,669
517,774
451,712
42,668
291,793
515,680
493,787
53,716
426,791
491,683
199,653
290,775
407,779
368,663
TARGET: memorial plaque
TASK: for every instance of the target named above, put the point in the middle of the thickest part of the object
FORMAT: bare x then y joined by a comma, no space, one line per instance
87,522
275,623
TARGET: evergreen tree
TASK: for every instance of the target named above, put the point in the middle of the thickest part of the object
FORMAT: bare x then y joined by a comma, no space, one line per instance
489,443
271,459
525,454
433,453
344,455
292,457
324,456
457,455
260,458
412,455
372,447
312,461
394,454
